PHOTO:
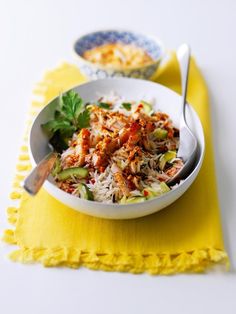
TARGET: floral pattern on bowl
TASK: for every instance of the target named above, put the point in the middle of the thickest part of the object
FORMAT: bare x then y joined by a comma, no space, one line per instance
95,71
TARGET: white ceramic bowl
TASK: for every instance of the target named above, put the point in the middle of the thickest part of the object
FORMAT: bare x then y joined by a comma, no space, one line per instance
131,89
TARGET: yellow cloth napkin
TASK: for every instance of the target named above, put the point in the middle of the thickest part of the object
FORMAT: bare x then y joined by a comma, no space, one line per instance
186,236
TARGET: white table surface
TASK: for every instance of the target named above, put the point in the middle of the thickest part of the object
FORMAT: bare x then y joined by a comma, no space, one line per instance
36,35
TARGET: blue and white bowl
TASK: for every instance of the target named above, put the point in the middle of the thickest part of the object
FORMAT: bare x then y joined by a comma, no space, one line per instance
152,46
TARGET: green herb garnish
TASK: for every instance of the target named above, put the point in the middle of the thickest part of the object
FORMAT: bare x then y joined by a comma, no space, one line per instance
126,105
84,118
104,105
70,116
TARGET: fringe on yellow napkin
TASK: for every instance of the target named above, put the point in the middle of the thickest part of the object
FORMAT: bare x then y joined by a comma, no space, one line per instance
185,237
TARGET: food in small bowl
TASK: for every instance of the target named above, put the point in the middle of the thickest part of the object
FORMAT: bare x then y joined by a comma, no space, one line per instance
113,150
116,151
118,53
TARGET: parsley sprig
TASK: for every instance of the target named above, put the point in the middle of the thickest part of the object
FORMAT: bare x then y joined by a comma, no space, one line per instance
126,105
70,116
104,105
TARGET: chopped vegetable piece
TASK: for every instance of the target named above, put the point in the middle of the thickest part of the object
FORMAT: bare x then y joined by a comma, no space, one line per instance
147,107
84,192
131,200
104,105
160,134
126,105
164,187
57,167
150,192
168,156
77,172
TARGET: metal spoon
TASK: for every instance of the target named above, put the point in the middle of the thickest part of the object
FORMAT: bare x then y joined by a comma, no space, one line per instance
39,174
188,142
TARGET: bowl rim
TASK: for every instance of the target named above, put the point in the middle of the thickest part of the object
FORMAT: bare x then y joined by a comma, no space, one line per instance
120,68
162,196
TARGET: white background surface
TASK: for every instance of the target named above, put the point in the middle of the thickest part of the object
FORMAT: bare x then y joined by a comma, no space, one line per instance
36,35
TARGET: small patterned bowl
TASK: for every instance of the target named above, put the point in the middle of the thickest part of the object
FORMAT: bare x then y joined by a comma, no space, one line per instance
152,46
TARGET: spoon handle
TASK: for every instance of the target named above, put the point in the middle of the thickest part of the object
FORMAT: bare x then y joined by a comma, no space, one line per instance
39,174
183,56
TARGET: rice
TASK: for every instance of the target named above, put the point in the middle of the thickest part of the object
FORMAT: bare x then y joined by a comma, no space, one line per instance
104,188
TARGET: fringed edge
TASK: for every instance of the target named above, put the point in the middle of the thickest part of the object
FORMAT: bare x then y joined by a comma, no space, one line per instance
23,167
163,264
45,90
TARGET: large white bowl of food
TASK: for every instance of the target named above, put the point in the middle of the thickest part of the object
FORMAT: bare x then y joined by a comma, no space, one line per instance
117,142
